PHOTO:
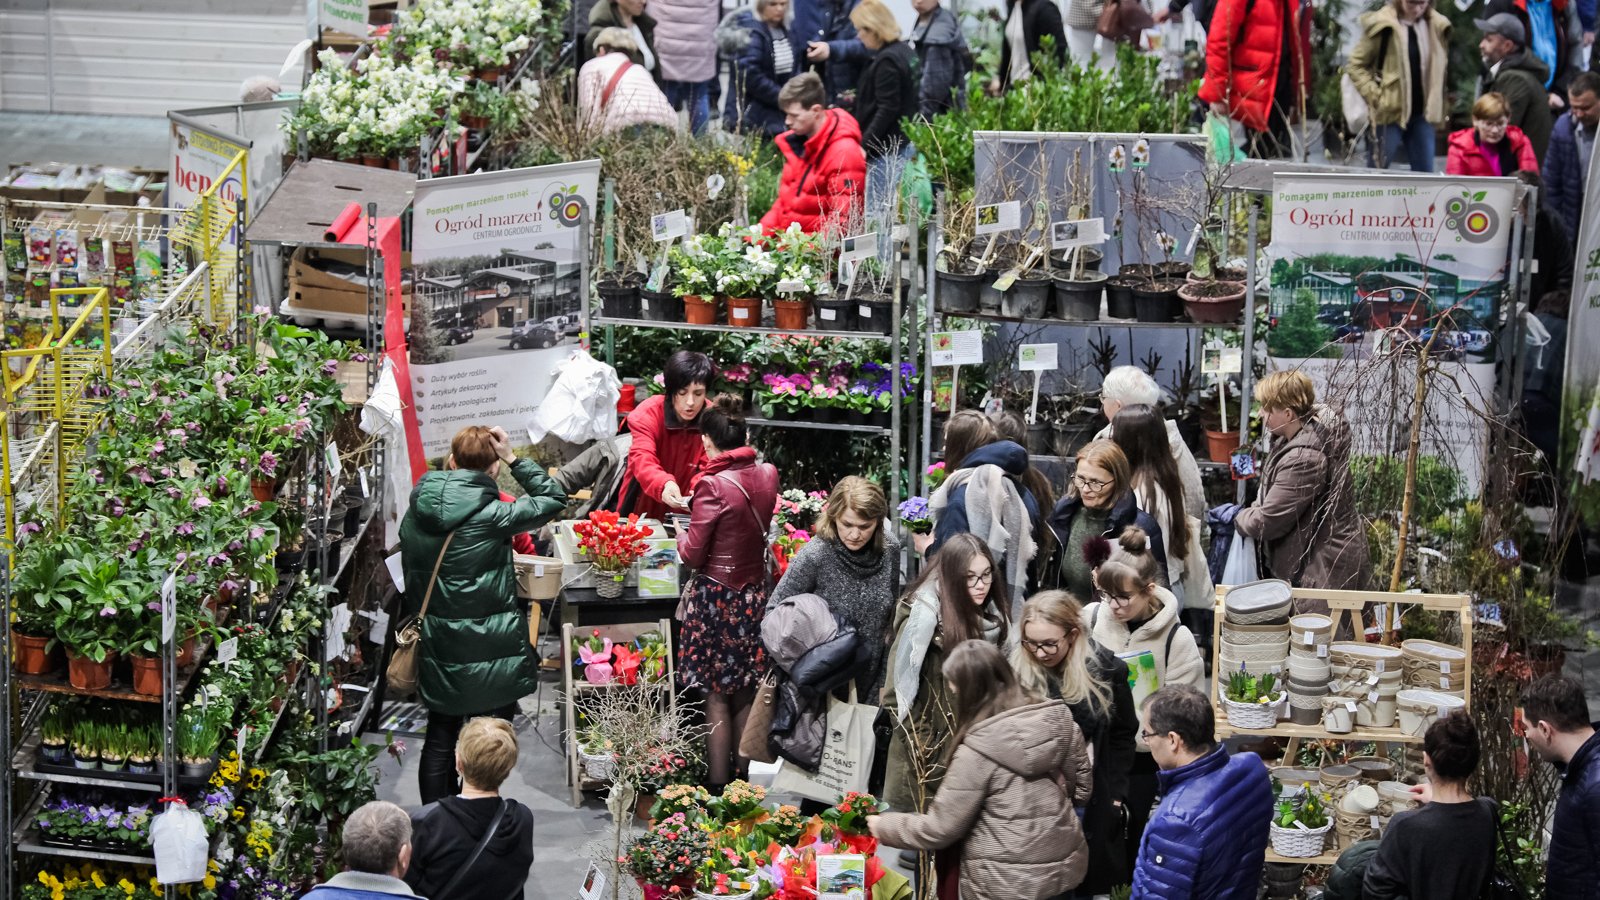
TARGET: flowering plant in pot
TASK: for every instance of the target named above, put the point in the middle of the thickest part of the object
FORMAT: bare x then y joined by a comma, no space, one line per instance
612,545
1251,701
55,735
739,801
92,625
665,857
916,515
724,873
38,586
687,800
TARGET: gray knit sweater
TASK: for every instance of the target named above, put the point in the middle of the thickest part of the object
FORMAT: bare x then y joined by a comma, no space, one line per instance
860,589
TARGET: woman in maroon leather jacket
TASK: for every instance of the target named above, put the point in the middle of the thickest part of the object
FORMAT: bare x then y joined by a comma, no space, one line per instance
719,649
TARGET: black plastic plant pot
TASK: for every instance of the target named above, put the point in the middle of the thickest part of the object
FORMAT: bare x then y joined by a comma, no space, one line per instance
1119,297
660,306
1079,300
618,301
958,293
1027,298
834,315
875,315
1158,301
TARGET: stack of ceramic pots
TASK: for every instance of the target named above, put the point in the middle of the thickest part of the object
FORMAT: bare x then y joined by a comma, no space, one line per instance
1356,817
1309,670
1393,797
1432,666
1255,628
1370,676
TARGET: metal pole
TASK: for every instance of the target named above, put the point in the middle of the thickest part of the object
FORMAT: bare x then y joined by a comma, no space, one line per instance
935,245
1247,375
608,237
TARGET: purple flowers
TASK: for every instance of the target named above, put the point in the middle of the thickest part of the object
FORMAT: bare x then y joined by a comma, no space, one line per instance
269,464
29,528
330,367
187,528
200,503
107,613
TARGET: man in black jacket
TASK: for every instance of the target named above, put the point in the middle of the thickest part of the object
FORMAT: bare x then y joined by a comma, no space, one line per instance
1555,717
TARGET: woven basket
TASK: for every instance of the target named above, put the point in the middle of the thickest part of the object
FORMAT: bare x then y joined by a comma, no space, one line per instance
1255,716
1297,843
599,766
1272,634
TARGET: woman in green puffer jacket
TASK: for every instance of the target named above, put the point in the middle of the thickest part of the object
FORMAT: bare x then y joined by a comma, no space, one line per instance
475,657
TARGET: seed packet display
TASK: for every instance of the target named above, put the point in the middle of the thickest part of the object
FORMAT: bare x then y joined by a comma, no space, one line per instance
16,255
122,259
94,254
148,263
66,248
16,287
39,291
41,247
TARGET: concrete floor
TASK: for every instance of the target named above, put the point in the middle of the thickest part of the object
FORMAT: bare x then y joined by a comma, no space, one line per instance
99,140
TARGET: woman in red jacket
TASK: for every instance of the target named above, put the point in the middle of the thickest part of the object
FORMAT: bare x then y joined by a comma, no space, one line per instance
719,650
1492,146
665,457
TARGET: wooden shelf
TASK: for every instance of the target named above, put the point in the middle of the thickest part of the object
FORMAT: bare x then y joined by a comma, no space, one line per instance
1314,732
1326,859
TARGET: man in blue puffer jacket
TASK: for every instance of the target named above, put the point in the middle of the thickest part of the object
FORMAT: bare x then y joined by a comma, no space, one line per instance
1207,839
1556,718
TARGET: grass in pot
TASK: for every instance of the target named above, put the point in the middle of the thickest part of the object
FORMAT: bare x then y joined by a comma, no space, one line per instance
198,735
55,736
113,746
141,747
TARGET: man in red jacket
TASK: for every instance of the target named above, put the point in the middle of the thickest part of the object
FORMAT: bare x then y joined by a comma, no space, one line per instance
824,169
1257,53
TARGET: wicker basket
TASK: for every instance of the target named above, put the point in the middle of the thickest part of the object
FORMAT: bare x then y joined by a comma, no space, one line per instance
1299,843
598,766
1244,635
1254,716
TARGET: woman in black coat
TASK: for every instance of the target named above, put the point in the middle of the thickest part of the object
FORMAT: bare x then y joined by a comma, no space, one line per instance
1028,22
1057,658
765,54
886,94
445,833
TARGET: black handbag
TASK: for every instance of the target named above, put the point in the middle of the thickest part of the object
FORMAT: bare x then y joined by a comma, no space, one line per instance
1500,885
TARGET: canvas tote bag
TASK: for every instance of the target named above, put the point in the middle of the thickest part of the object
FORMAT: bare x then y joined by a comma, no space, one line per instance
846,754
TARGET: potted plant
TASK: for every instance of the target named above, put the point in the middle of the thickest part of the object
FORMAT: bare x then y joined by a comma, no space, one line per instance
1252,701
739,805
86,744
848,817
1074,419
198,736
958,274
747,272
695,266
1300,825
801,276
1222,438
598,757
141,745
723,875
619,294
90,624
1078,288
612,544
55,736
37,584
688,800
916,516
664,859
113,746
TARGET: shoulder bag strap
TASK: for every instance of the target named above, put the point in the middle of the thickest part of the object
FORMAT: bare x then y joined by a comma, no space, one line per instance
434,578
611,86
494,825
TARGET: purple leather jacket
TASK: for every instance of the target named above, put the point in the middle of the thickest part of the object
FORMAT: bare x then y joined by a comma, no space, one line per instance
727,535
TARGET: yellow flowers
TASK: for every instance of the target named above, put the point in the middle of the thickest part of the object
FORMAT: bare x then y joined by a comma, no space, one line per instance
210,882
257,777
127,887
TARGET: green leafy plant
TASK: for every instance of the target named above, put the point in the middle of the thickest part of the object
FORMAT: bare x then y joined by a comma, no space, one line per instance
1308,808
1246,688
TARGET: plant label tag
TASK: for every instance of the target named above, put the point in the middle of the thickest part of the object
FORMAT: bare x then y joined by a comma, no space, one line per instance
379,632
1374,823
1069,233
334,468
1444,666
1006,280
244,734
1221,360
1380,666
827,315
538,570
740,312
594,884
644,303
1310,637
999,217
864,311
169,607
1350,705
859,247
956,348
1372,696
1444,682
1038,357
669,225
396,573
1322,650
366,487
228,650
1372,679
790,286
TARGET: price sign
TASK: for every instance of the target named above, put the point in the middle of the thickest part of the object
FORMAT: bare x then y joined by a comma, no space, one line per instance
169,607
860,246
668,225
228,650
999,217
334,466
1221,361
956,348
1038,357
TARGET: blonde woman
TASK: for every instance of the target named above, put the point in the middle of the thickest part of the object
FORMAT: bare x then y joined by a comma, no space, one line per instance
886,94
1136,618
1057,659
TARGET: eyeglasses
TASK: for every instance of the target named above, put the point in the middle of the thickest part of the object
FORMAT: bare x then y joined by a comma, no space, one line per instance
1113,600
976,580
1147,735
1089,484
1041,646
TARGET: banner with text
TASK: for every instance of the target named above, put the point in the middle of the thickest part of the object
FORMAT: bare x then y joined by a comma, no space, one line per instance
497,295
1580,417
1363,265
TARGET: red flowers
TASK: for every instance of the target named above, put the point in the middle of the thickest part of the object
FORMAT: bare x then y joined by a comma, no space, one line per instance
612,543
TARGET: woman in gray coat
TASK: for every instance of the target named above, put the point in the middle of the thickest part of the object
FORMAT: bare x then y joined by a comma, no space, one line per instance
1304,519
1016,771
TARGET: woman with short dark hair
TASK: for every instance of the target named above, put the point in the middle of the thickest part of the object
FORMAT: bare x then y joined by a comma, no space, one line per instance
719,650
666,454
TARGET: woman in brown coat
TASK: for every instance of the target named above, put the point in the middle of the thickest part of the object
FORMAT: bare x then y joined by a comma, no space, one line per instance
1017,769
1304,519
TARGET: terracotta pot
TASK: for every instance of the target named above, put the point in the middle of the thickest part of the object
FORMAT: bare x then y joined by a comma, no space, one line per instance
744,312
489,76
373,161
85,674
791,315
1213,302
264,489
30,656
475,123
1221,444
186,652
146,675
699,310
641,806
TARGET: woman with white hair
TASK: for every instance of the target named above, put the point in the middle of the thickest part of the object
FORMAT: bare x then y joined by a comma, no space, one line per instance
1129,385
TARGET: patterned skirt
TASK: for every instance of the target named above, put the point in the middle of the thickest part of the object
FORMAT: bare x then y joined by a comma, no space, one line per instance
719,646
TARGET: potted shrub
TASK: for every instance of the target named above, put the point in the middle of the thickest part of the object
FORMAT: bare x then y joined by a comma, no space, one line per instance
1021,285
957,273
1074,419
90,625
1300,825
1251,701
695,267
1078,288
739,805
37,584
664,859
619,294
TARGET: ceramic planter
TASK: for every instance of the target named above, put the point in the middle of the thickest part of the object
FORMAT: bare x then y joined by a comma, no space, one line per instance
85,674
1213,302
30,655
791,314
1221,444
744,312
699,310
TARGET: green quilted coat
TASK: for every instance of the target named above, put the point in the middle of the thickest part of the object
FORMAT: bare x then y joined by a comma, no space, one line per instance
475,653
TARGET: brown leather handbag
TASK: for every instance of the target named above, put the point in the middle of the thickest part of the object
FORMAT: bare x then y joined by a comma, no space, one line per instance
753,742
1123,20
406,658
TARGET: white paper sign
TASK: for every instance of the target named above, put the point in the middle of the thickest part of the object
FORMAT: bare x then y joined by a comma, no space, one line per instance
998,217
956,348
379,632
366,489
860,246
1222,361
228,650
594,884
338,624
1037,357
244,733
346,16
335,468
668,225
169,607
1070,233
396,572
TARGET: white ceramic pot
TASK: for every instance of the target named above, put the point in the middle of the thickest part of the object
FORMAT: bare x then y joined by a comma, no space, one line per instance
1336,717
1361,800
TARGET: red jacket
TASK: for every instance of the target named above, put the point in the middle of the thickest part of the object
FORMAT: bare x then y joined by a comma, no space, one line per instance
1243,54
663,450
826,183
1467,155
522,541
727,535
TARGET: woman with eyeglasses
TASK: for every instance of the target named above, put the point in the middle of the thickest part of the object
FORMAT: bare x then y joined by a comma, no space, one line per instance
955,598
1057,659
1018,767
1099,504
1141,433
1136,618
1492,146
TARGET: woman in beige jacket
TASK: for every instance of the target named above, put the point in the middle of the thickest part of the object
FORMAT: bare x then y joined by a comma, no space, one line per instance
1398,67
1017,769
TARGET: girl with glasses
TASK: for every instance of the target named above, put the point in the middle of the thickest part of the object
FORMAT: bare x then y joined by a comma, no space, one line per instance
955,598
1136,618
1099,504
1057,659
1018,767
